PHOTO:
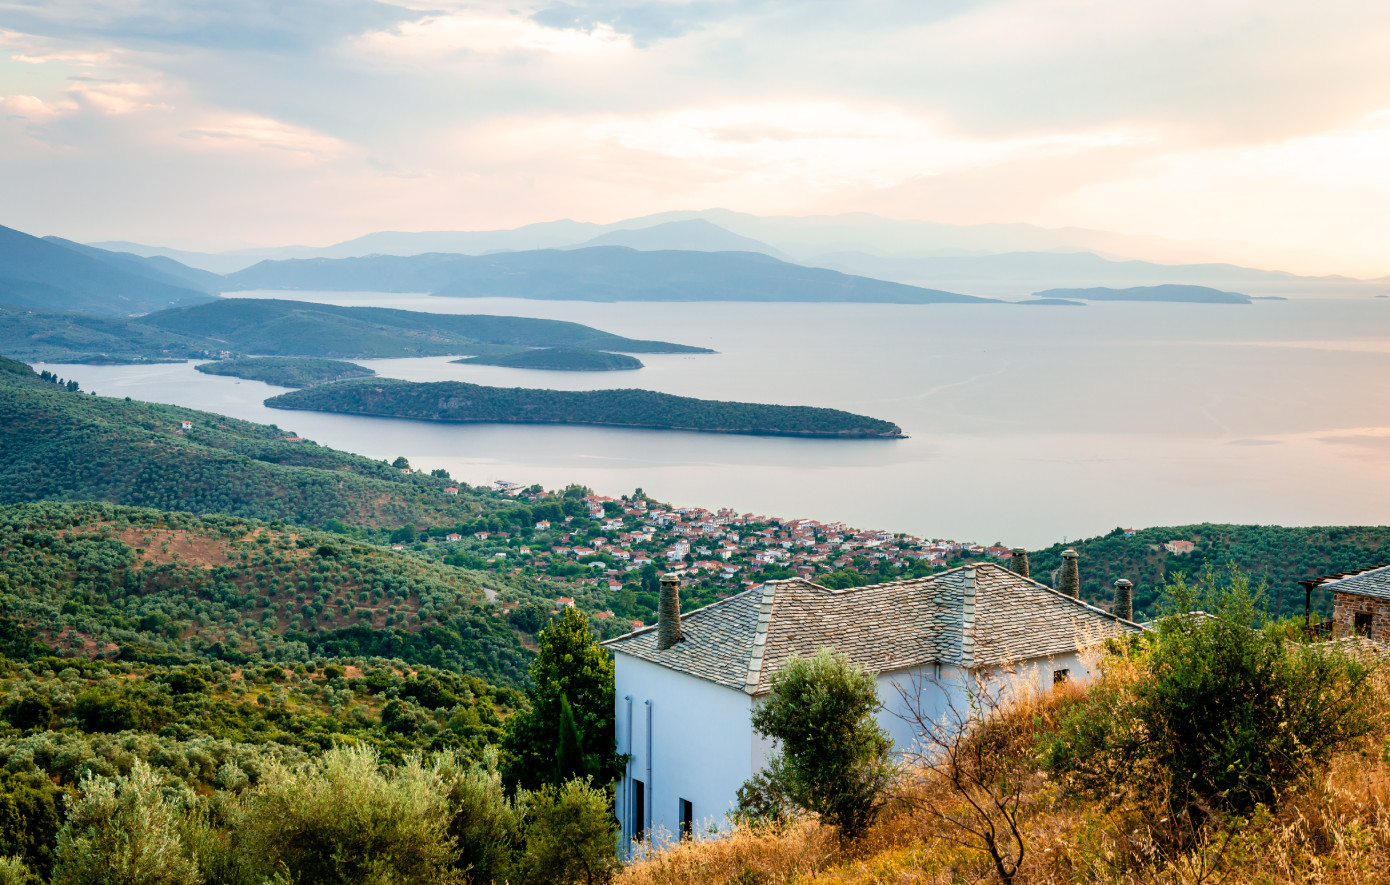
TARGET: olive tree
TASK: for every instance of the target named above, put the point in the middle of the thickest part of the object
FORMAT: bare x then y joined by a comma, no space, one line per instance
834,757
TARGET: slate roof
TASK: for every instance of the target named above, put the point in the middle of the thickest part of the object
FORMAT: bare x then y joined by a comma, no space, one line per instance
971,616
1373,582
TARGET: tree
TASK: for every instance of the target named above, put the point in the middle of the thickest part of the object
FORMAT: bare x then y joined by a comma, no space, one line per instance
401,463
569,669
123,830
834,757
571,837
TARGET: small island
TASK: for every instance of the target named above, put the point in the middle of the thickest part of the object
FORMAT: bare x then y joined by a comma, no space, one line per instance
1172,292
558,359
460,402
286,371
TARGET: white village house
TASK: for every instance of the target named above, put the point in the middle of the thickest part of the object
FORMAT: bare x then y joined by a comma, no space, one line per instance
686,688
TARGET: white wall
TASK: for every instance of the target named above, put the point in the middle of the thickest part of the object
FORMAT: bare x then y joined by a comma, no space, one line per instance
703,748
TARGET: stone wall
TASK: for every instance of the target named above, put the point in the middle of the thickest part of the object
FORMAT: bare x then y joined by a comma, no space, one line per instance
1345,607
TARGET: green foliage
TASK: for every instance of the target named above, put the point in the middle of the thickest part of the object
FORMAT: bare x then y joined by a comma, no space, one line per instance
285,371
457,401
61,446
834,757
569,670
124,831
563,359
30,816
571,836
1280,556
344,820
13,871
1225,713
484,824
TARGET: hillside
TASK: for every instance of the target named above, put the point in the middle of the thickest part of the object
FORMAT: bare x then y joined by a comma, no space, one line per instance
1279,555
96,579
601,273
285,371
293,328
67,337
61,445
456,401
1170,292
38,273
559,359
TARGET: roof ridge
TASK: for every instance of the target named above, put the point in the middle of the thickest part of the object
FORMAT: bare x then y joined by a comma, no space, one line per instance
755,658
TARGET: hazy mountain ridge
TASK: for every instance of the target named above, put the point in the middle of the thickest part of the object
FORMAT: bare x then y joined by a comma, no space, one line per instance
55,275
600,273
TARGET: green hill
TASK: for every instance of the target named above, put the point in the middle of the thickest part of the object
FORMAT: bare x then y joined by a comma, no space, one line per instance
559,359
139,584
50,336
456,401
1278,555
61,445
286,371
292,328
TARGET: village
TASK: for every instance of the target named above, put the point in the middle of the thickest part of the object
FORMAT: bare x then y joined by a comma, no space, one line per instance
623,543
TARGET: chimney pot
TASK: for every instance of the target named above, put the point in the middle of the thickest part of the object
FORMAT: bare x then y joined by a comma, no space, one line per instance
1123,606
668,612
1069,582
1018,563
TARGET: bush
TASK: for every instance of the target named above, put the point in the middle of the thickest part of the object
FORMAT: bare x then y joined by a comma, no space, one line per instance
1220,714
123,830
835,757
571,836
30,818
483,824
342,820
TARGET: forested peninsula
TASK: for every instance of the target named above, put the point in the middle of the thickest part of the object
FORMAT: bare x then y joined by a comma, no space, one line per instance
456,401
558,359
286,371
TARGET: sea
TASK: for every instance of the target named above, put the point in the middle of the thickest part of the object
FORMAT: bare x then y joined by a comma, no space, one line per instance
1026,425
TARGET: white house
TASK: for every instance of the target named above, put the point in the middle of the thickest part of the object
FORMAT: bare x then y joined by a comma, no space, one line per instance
686,688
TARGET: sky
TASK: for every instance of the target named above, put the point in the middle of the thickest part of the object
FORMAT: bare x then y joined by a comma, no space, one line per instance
211,124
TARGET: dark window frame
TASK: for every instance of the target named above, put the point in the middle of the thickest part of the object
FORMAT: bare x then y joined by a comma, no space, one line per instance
1363,622
639,819
687,819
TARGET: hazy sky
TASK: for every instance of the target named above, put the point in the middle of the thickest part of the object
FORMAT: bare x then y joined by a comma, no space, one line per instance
219,123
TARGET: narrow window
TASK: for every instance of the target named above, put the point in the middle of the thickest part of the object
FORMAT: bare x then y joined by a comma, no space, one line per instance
639,805
687,819
1060,676
1363,623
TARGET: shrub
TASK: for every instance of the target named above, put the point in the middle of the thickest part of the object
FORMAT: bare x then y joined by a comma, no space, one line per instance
29,821
571,836
123,831
1223,712
484,825
835,757
342,820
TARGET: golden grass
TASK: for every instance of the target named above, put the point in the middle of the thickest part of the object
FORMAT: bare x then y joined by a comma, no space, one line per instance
1335,831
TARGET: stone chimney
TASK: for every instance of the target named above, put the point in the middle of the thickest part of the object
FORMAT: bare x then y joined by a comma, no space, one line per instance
1070,581
1123,606
668,612
1018,563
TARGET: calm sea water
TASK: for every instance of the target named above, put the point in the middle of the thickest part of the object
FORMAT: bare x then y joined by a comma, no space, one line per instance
1027,425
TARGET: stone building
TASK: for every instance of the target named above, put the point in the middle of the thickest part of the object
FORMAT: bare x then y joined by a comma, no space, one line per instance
1360,603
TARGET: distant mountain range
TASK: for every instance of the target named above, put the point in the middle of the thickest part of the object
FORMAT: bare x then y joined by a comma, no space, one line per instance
596,273
60,275
1168,293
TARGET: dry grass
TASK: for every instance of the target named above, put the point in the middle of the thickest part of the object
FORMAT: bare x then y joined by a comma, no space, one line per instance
1335,831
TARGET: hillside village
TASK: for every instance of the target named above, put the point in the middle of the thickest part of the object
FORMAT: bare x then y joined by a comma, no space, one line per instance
713,552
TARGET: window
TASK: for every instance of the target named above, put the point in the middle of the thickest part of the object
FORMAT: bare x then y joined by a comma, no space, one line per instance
639,805
1060,676
687,819
1363,623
